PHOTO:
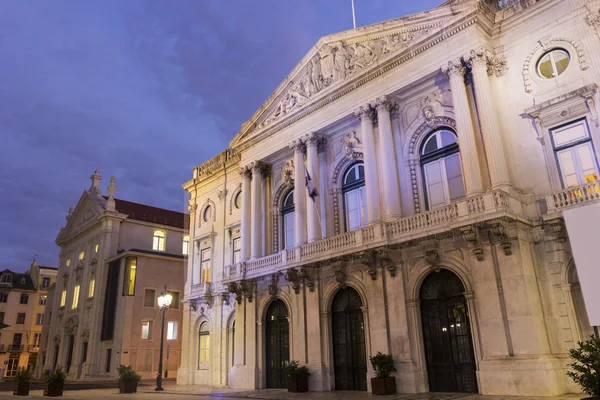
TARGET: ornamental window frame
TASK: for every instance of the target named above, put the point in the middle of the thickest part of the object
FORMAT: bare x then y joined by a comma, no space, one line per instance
355,187
288,211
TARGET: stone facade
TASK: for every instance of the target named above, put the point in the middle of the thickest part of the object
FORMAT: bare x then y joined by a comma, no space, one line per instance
112,268
446,249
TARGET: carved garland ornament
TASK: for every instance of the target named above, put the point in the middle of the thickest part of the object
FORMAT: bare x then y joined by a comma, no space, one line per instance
548,44
423,129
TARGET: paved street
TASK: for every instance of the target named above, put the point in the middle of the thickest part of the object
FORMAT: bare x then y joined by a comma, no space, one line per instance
173,391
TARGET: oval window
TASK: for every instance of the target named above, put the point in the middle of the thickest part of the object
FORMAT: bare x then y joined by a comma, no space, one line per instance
238,200
207,214
553,63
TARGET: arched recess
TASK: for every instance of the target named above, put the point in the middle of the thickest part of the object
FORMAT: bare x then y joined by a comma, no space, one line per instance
582,328
447,334
348,340
412,154
283,188
336,179
277,344
230,343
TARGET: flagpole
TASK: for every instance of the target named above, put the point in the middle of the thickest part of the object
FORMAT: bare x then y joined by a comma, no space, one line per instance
353,15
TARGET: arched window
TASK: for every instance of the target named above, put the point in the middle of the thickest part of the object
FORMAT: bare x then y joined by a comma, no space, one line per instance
158,242
207,213
203,346
186,245
287,211
237,202
355,197
441,168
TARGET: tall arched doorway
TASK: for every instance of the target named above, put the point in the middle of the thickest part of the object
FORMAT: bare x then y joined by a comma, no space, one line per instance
447,334
348,331
277,344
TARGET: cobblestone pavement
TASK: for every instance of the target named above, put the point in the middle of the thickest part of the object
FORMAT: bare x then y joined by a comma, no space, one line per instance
202,392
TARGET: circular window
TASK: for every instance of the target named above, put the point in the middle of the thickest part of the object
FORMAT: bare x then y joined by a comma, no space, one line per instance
207,214
238,200
553,63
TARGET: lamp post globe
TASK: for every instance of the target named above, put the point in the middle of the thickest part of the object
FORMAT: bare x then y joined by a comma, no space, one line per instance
164,301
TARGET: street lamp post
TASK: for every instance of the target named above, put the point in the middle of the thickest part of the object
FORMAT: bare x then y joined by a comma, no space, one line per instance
164,301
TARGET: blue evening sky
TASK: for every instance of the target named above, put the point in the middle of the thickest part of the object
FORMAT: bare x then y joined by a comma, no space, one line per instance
141,89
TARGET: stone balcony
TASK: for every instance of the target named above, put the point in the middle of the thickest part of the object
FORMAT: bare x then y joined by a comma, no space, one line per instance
570,198
490,206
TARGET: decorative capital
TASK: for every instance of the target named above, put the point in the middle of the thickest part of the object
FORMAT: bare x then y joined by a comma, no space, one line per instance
298,145
478,57
364,112
384,103
454,69
593,20
312,140
245,172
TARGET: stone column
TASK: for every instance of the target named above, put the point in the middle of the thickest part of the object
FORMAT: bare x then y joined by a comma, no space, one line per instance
256,206
464,128
299,192
490,127
245,221
365,114
389,173
312,207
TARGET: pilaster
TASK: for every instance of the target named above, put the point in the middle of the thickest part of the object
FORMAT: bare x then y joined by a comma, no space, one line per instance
245,173
313,206
365,114
299,148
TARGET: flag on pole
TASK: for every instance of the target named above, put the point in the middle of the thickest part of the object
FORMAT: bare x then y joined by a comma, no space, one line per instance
310,186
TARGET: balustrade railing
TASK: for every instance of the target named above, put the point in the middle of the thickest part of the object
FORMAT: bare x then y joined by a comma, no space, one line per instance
573,196
491,204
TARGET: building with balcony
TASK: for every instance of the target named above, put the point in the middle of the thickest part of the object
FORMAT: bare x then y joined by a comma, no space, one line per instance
23,298
115,259
402,191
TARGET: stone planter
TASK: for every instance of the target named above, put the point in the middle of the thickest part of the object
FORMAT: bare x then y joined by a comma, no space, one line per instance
383,385
298,385
22,389
54,389
128,386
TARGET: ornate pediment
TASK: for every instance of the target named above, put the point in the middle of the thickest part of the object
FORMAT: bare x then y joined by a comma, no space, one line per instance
85,213
345,59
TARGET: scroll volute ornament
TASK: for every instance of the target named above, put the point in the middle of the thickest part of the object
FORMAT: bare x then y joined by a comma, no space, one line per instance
471,234
292,276
368,259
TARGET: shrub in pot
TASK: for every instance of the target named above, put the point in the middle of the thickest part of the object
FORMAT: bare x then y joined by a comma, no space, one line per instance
23,381
128,379
585,367
297,377
55,383
383,383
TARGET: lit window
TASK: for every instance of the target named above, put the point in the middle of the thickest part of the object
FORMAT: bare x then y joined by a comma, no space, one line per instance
186,245
146,329
288,228
203,347
96,248
24,298
6,279
43,299
158,243
172,330
130,274
553,63
3,297
174,300
237,250
355,197
575,153
20,318
207,213
39,320
75,297
81,255
92,286
63,298
441,169
237,202
36,339
205,266
68,262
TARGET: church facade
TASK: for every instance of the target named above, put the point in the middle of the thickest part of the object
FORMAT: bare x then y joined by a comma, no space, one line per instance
402,192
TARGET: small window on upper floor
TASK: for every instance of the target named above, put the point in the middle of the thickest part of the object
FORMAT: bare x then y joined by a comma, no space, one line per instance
237,202
24,298
6,279
3,297
68,262
355,197
186,245
206,216
43,299
158,243
45,283
553,63
96,248
81,255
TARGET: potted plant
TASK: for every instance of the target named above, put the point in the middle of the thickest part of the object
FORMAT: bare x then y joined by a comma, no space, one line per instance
23,381
383,383
55,383
128,379
585,368
297,377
